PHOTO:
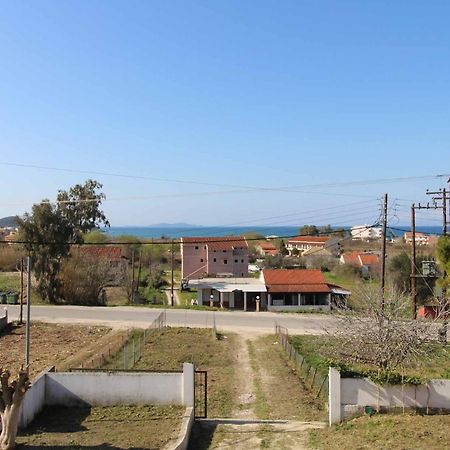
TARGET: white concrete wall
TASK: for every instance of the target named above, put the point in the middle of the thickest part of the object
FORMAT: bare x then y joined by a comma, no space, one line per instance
108,388
4,320
34,400
349,396
298,307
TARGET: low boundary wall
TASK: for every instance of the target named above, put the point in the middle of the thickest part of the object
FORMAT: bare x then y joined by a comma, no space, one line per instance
349,396
108,388
4,320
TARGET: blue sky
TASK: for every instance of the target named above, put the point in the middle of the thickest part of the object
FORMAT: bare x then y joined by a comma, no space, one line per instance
257,93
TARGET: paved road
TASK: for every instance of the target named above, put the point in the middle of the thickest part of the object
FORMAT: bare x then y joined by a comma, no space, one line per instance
126,316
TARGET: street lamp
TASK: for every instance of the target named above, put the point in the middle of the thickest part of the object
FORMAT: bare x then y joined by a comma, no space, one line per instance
211,300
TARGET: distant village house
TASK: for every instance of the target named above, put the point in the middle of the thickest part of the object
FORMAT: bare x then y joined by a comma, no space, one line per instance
214,256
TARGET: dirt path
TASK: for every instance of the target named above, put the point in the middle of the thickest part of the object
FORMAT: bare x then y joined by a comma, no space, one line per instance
268,391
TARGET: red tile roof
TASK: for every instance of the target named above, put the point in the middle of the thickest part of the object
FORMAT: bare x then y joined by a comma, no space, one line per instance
267,246
368,259
217,243
103,251
295,280
360,259
310,239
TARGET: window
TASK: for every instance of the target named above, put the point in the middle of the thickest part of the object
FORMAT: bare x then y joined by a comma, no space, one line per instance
196,247
201,260
215,260
225,261
224,251
242,260
235,260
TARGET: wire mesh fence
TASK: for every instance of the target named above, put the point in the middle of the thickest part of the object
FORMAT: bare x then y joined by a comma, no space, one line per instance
313,379
129,351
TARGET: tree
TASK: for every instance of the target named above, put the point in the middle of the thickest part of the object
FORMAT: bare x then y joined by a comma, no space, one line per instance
378,335
11,396
443,256
46,234
50,228
80,205
308,230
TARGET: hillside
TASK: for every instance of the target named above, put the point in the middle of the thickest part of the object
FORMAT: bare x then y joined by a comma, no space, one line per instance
9,221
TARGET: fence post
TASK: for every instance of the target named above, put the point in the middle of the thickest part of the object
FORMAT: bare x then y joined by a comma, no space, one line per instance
334,396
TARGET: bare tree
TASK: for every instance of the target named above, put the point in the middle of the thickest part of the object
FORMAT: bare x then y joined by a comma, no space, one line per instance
11,396
379,333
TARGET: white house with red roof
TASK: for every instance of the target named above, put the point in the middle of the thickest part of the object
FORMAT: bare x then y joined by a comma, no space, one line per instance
266,249
214,256
421,238
367,262
313,243
275,290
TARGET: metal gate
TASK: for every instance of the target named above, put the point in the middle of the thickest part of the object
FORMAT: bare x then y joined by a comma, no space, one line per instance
201,394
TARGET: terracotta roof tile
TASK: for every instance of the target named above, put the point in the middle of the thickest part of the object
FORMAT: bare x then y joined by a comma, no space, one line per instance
295,280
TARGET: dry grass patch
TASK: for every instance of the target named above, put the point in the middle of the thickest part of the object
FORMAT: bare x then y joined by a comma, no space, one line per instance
285,393
386,432
116,427
169,348
51,344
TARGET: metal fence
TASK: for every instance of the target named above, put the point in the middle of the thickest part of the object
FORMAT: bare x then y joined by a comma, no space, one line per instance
129,351
314,380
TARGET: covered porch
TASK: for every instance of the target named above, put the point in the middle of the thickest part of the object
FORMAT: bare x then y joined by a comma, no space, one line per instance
231,293
285,301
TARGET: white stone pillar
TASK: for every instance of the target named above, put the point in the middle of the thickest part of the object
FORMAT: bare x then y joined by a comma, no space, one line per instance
299,301
200,297
334,396
188,384
269,300
245,301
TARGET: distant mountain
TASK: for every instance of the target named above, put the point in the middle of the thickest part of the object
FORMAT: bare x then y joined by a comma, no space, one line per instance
174,225
9,221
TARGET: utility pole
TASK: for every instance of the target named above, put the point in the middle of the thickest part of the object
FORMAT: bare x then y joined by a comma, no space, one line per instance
171,286
21,292
413,262
132,277
383,250
27,329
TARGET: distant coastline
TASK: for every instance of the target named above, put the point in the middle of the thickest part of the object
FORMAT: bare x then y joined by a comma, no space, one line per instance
175,231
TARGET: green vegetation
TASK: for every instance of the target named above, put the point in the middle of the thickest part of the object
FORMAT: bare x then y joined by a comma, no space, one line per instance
316,351
118,427
50,228
170,348
385,432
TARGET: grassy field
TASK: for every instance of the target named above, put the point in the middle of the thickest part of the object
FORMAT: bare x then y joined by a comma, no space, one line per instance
116,427
435,365
386,432
168,349
282,393
63,346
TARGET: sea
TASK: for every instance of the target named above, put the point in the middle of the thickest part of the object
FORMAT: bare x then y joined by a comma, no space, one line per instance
205,231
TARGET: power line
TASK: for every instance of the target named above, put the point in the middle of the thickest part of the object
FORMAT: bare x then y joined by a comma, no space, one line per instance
202,183
168,241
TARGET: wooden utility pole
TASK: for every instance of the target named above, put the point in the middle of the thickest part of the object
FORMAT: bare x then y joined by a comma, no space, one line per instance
139,272
171,286
27,330
383,250
444,212
413,262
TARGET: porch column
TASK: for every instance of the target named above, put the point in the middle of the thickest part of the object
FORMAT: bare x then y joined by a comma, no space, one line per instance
245,301
269,300
298,299
220,300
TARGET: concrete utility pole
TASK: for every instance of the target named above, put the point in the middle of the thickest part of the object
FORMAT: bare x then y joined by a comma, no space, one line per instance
171,286
21,292
383,250
27,329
